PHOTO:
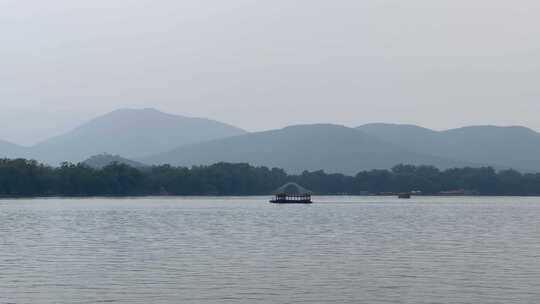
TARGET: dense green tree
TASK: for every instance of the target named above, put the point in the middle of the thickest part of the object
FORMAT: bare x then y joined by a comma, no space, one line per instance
21,177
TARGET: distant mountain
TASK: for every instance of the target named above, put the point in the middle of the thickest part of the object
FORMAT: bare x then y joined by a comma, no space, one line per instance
511,147
103,160
132,134
332,148
11,150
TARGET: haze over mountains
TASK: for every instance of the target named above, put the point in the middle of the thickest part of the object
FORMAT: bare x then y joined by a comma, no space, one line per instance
510,147
102,160
8,149
132,134
331,148
153,137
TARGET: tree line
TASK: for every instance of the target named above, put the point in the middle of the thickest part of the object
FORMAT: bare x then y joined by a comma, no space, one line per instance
28,178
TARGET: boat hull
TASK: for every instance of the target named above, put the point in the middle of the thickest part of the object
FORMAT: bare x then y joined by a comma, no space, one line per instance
404,195
291,202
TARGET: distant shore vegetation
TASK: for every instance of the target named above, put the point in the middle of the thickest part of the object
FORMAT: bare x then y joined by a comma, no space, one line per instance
28,178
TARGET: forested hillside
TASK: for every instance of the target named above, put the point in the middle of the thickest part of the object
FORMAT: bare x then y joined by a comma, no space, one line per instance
22,177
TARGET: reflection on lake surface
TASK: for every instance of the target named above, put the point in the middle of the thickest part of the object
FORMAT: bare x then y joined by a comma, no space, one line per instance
245,250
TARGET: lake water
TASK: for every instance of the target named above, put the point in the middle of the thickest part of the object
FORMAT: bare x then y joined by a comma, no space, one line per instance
245,250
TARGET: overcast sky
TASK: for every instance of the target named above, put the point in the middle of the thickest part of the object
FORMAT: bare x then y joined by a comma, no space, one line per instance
267,64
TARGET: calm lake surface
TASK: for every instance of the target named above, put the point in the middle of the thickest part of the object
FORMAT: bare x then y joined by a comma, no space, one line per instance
245,250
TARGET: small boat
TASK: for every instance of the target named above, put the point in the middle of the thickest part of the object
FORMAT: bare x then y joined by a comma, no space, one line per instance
283,198
292,193
404,195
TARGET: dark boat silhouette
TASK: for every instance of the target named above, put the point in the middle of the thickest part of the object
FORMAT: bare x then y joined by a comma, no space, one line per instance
404,195
292,193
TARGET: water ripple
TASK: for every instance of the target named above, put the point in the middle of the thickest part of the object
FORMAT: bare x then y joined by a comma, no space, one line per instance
244,250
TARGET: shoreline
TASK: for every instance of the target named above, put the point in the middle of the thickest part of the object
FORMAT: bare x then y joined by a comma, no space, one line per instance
213,196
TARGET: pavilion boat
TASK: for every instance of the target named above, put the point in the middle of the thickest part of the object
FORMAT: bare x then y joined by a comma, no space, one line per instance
292,193
284,198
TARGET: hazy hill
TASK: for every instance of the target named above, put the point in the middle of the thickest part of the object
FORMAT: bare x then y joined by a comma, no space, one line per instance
11,150
515,147
130,133
297,148
103,160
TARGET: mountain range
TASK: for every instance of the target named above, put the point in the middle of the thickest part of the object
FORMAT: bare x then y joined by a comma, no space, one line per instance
328,147
127,132
509,147
150,137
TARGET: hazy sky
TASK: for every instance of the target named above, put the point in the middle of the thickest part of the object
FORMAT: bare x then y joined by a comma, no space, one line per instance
266,64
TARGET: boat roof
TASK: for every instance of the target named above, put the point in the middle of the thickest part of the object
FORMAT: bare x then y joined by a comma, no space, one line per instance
292,188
